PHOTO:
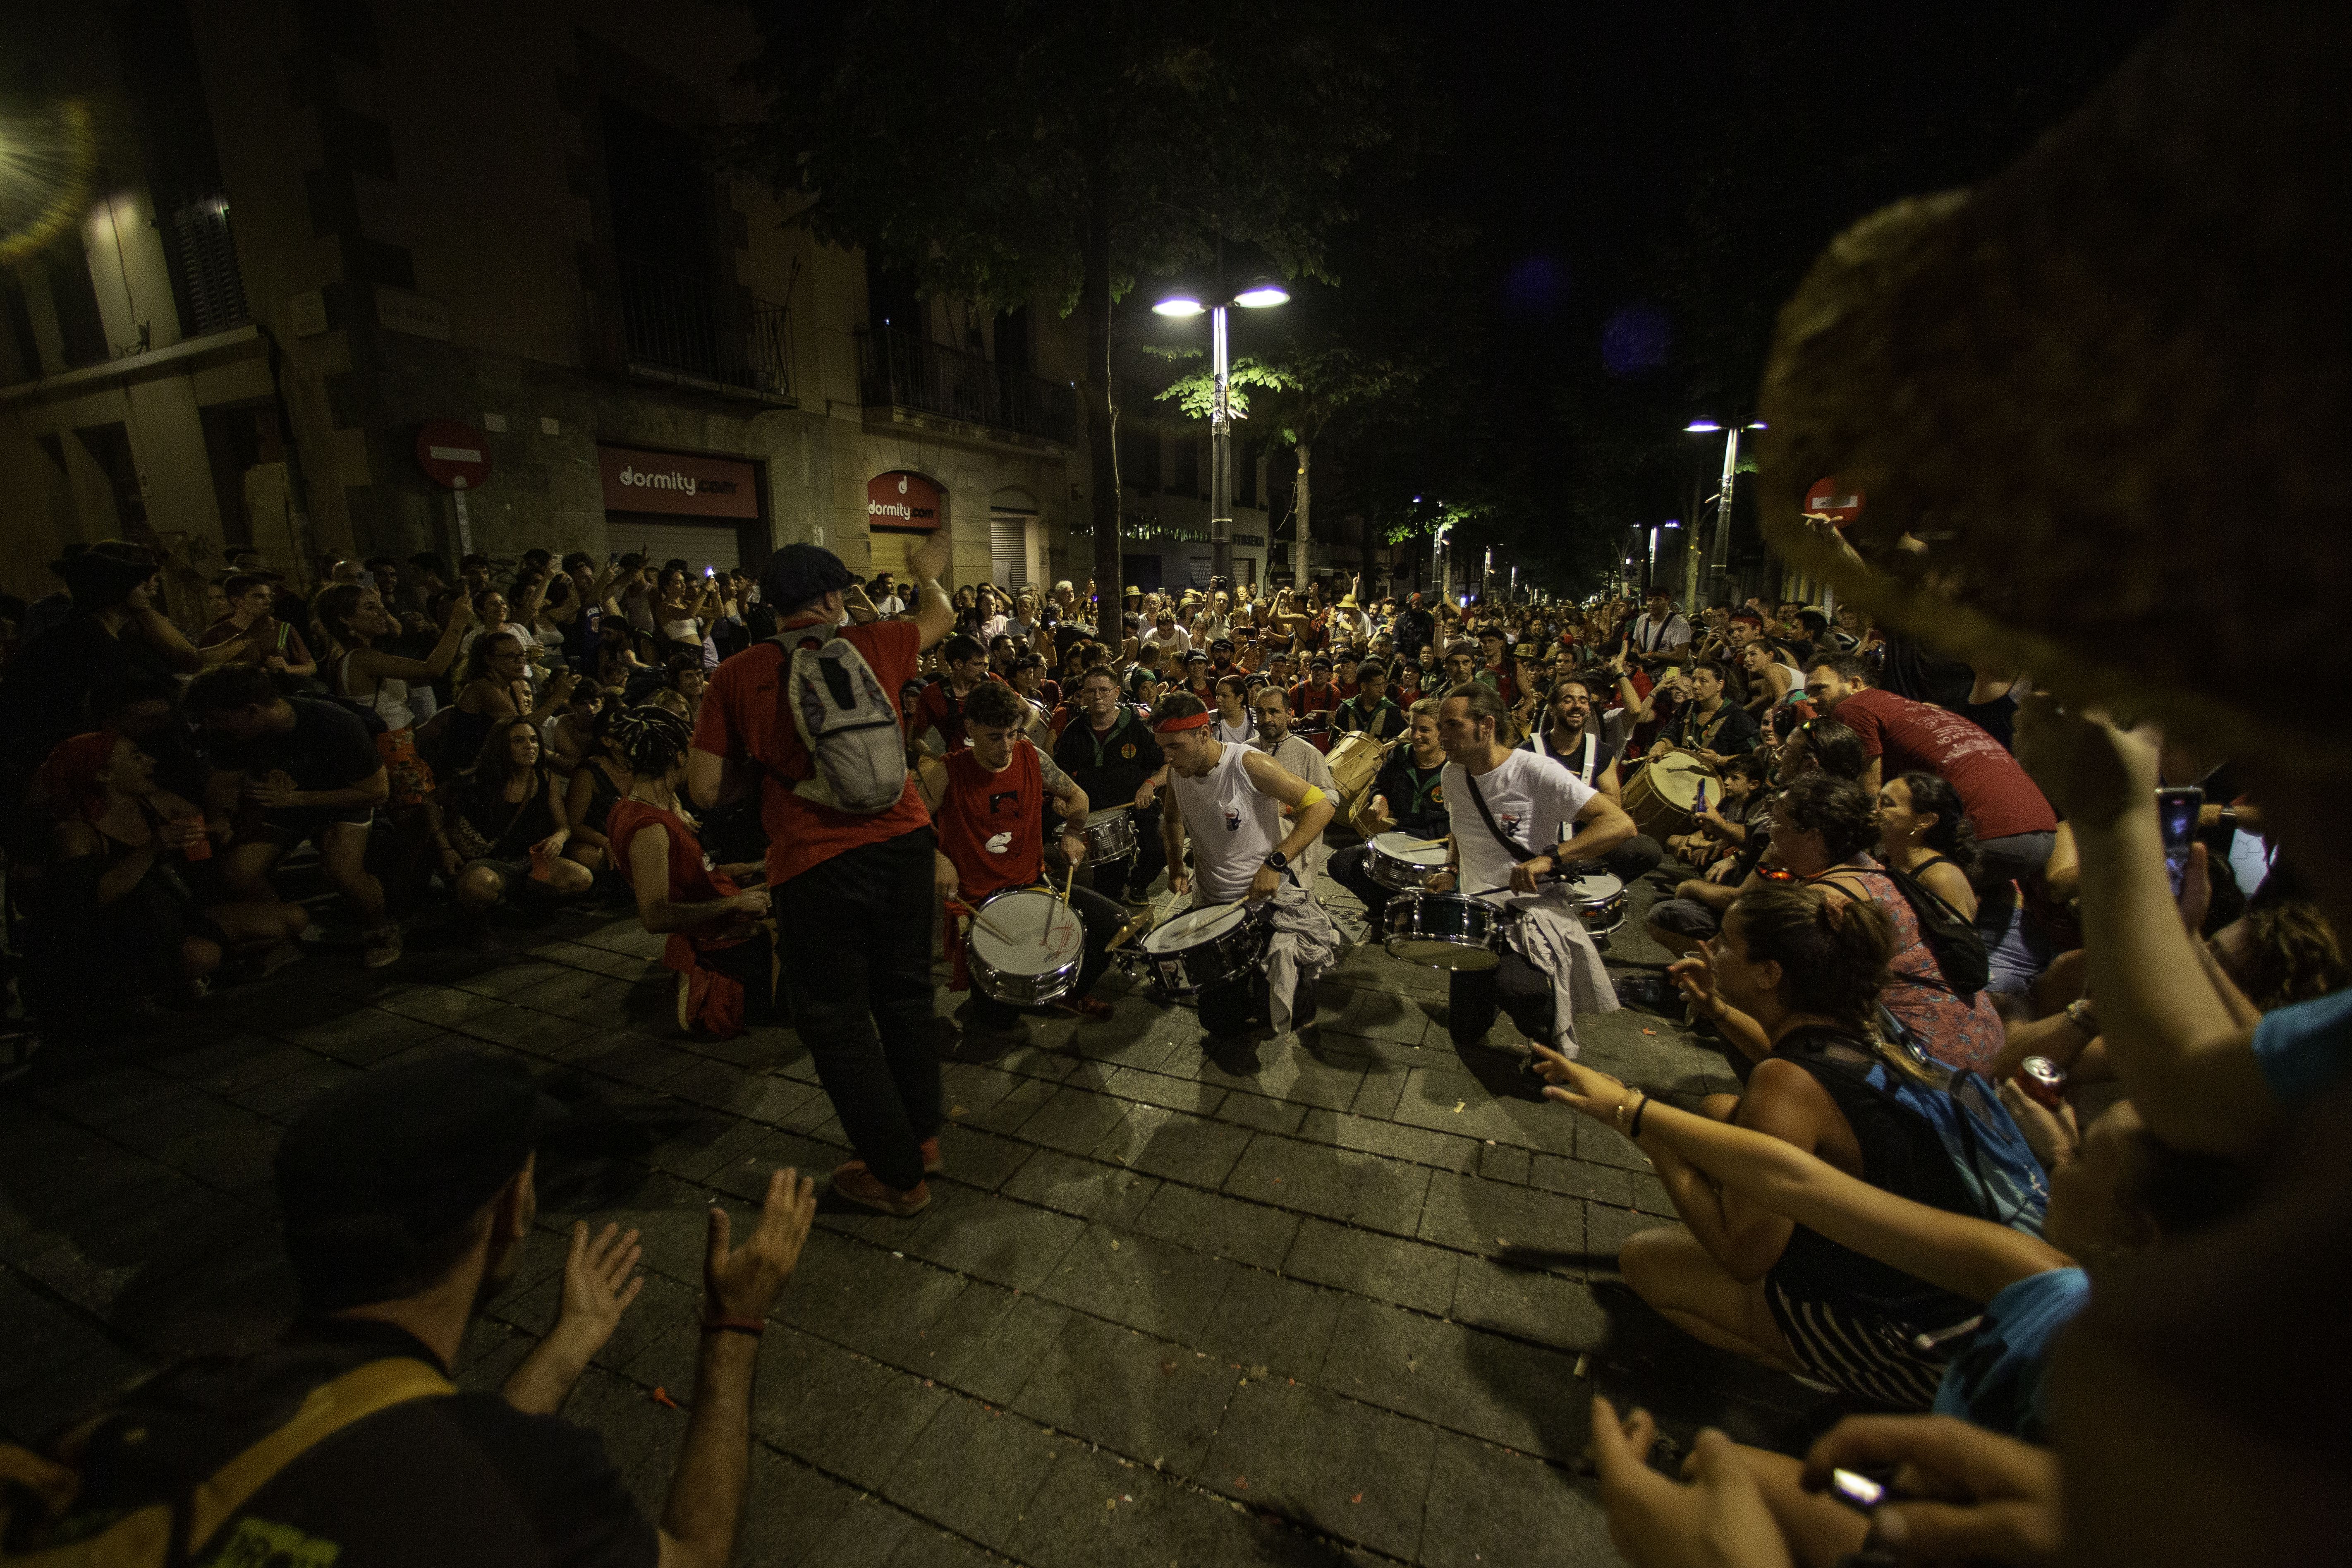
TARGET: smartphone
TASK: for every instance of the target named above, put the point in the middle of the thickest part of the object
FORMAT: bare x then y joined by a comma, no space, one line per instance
1673,672
1699,807
2176,814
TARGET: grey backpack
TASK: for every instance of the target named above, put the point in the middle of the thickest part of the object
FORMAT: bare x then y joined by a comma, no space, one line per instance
849,725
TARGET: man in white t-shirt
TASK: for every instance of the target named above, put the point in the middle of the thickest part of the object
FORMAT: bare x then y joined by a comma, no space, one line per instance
1171,639
1550,969
1270,711
1658,635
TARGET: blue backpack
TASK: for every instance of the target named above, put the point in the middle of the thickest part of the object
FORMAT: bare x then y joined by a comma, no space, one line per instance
1998,1172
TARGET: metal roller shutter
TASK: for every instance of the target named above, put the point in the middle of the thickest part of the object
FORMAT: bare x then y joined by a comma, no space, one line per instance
666,539
1008,550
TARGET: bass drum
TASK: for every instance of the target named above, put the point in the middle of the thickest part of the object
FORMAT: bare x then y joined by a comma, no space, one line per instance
1660,794
1025,947
1447,930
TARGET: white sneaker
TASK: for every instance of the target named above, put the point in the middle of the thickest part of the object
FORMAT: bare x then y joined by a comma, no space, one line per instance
381,947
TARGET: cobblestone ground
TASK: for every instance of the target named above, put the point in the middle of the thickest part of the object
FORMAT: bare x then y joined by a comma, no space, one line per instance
1348,1305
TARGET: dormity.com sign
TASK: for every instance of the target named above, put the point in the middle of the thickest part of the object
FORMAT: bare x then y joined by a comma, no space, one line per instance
683,483
901,499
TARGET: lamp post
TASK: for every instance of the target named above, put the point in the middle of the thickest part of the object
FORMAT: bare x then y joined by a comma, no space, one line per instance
1263,293
1719,547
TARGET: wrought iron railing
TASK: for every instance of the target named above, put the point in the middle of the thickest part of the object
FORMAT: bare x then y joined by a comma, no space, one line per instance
681,324
903,370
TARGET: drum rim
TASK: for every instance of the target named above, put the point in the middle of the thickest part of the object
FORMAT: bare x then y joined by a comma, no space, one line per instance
1240,911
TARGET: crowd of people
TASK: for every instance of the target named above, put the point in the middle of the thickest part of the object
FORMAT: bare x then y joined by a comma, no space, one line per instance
1954,1098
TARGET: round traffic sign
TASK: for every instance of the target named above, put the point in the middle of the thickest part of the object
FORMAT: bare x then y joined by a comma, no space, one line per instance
453,456
1833,500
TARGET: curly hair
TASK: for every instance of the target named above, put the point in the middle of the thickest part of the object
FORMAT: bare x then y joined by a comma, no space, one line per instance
485,648
1952,836
1839,810
1836,749
2290,955
1833,952
651,739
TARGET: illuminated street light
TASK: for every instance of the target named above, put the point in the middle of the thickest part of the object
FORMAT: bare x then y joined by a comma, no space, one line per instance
1260,293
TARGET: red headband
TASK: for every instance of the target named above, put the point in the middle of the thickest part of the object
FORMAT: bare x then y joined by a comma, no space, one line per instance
1190,722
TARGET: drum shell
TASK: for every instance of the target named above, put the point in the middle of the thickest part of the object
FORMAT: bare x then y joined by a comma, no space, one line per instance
1660,794
1445,931
1355,763
1396,873
1110,838
1599,903
1224,958
1017,988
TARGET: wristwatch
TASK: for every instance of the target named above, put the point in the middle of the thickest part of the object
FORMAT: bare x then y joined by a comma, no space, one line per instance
1277,861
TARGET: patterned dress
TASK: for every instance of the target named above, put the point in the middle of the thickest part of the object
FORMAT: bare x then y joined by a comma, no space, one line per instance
1958,1031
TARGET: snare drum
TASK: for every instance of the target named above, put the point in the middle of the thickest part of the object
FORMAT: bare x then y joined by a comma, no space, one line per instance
1029,950
1400,860
1660,794
1218,944
1600,900
1447,930
1111,838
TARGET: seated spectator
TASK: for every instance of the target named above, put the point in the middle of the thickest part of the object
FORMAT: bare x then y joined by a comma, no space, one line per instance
288,768
1795,979
501,829
569,737
351,621
1822,831
497,686
615,662
1923,834
602,779
409,1197
121,912
1720,827
681,692
258,637
719,943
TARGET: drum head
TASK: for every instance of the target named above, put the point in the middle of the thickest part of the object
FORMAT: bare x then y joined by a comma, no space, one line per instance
1676,778
1194,927
1411,850
1040,932
1595,887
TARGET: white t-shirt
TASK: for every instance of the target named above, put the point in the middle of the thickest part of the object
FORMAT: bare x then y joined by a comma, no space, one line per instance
1533,799
1651,636
1175,641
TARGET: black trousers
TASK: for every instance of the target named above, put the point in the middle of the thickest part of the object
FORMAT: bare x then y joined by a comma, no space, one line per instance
856,934
1102,917
1350,867
1636,858
1473,996
1129,878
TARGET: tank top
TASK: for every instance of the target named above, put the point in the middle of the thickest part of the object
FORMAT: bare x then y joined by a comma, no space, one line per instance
992,826
1584,762
1233,826
1241,734
692,880
390,699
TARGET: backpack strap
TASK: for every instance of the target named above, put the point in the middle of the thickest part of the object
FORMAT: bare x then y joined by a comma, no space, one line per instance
1486,816
327,1410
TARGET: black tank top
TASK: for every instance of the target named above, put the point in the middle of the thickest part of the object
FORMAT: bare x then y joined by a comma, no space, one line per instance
1901,1154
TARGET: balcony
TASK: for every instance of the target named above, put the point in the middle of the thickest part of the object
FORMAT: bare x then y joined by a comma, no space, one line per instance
899,370
683,327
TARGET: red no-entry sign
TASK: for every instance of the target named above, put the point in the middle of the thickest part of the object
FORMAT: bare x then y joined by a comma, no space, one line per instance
453,456
1835,500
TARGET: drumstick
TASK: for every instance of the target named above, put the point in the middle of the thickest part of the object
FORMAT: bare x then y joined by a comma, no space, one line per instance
1046,935
981,921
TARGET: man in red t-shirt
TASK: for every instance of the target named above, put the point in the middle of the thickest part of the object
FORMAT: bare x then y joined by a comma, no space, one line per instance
2015,827
941,707
989,801
1315,694
851,894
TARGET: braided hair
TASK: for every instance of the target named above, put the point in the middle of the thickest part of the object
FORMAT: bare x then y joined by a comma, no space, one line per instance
651,739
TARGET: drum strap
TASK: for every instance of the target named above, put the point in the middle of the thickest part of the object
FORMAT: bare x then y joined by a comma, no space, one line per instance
1486,816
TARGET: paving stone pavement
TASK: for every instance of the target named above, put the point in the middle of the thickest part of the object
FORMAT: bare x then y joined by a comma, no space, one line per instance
1324,1303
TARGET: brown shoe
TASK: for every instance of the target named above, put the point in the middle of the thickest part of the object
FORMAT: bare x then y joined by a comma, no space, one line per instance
932,1164
859,1185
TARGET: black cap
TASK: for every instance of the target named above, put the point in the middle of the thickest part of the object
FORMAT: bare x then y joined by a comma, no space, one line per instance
383,1166
799,573
1223,645
1319,662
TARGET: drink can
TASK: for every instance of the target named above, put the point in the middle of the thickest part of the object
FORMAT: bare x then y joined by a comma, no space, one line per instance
2043,1080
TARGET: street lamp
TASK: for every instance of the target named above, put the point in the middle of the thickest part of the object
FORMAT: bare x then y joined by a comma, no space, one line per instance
1719,551
1260,293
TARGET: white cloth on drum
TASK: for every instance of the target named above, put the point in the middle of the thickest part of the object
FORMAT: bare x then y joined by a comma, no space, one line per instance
1551,936
1302,944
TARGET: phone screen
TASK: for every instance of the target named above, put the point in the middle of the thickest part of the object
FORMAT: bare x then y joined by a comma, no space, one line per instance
1856,1491
2176,811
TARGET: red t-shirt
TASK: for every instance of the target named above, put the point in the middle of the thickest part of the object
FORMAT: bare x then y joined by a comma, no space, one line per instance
1908,737
941,706
742,716
992,826
691,878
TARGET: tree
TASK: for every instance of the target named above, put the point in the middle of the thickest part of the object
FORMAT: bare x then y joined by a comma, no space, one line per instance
1018,149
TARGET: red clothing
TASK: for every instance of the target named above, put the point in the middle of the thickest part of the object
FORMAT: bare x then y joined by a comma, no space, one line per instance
742,716
1908,737
1305,699
941,706
992,826
714,1001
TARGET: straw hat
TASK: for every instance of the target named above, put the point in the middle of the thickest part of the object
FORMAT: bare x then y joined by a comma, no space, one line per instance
2097,407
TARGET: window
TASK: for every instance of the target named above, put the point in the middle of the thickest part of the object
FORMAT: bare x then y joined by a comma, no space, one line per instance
1013,347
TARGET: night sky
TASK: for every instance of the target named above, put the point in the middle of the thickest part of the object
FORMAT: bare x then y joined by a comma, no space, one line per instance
1648,183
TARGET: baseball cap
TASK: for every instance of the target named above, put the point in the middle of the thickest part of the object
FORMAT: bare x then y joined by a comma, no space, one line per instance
799,573
381,1168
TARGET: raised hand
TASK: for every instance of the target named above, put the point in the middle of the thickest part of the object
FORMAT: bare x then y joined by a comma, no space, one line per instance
599,1280
743,1282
